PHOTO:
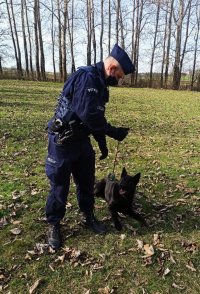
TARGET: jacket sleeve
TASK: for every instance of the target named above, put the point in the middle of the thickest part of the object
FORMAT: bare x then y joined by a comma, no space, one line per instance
89,106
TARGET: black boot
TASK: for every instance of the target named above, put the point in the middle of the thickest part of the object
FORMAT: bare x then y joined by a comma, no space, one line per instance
93,224
54,236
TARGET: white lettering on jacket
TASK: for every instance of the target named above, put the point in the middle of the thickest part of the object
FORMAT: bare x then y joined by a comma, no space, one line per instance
51,160
90,90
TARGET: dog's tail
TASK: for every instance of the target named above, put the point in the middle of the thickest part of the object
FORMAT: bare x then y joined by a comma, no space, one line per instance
99,188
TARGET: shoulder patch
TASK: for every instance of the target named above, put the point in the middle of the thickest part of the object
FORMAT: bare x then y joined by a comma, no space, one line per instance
92,90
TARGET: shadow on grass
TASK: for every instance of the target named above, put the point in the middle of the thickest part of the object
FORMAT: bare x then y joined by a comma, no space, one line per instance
169,218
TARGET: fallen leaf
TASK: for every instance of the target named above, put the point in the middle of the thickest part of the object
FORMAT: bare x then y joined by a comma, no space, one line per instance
140,244
148,250
123,236
3,222
35,285
68,205
16,231
105,290
156,239
174,285
166,272
190,266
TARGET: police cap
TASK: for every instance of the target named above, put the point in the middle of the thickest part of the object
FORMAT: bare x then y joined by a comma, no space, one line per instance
122,57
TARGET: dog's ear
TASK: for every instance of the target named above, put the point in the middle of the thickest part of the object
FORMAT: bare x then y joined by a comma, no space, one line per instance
124,173
137,178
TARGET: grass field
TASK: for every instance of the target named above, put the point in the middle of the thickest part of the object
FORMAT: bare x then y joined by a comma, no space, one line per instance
163,144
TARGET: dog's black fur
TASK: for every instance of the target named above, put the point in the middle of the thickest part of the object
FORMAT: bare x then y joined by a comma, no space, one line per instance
120,195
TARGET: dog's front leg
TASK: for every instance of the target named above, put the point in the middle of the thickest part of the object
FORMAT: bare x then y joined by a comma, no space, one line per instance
138,217
115,218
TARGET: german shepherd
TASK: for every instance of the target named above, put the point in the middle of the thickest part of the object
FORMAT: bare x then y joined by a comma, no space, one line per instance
119,196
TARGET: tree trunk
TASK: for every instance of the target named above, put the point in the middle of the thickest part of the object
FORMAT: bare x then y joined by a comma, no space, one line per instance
89,29
1,68
164,50
102,29
60,40
168,44
109,25
196,47
42,58
37,48
17,39
139,16
154,44
29,41
117,21
13,40
177,73
133,40
71,35
93,32
121,28
24,38
64,48
186,36
53,41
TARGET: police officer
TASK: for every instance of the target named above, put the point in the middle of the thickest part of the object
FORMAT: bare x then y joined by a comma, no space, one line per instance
80,113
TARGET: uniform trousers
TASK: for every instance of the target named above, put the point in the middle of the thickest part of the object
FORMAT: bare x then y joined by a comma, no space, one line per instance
75,157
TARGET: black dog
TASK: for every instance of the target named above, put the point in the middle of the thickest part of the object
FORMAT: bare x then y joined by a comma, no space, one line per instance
119,195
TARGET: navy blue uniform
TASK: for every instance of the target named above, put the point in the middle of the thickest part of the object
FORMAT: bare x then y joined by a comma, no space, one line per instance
86,92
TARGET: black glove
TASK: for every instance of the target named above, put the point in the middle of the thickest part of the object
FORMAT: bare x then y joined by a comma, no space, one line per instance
121,133
101,140
104,152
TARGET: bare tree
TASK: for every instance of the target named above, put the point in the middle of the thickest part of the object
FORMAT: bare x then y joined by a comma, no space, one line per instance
186,35
37,48
154,43
71,33
93,31
53,40
42,58
164,48
89,32
24,36
29,40
138,17
196,38
14,35
117,8
109,25
169,30
59,39
102,29
63,42
179,25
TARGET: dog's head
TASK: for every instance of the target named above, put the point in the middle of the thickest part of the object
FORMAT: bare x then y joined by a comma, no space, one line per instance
128,184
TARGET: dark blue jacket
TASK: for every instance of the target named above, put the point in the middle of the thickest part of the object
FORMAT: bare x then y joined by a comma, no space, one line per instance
87,92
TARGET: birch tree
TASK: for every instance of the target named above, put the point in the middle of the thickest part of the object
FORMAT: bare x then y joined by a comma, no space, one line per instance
154,43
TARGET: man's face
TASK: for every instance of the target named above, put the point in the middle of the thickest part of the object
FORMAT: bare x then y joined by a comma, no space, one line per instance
116,74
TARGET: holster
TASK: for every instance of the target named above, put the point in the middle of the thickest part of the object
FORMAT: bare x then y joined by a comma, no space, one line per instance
73,131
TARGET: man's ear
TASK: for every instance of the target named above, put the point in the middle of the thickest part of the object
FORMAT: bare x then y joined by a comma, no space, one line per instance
112,69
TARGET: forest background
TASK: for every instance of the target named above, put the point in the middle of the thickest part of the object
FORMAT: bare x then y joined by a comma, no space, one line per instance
49,39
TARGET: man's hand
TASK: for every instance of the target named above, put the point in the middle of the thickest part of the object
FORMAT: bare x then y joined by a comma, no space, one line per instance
121,133
104,152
